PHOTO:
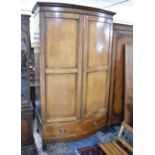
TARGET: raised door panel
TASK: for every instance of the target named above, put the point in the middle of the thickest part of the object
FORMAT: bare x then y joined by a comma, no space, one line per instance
61,97
61,49
98,42
95,97
96,66
63,66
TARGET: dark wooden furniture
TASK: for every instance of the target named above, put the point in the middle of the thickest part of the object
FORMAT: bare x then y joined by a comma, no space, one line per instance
27,140
121,146
122,35
128,98
72,62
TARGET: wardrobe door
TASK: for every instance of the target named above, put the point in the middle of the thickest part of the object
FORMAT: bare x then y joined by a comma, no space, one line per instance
62,71
96,66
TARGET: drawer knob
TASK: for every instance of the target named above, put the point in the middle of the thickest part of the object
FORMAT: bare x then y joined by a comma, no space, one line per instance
94,124
62,131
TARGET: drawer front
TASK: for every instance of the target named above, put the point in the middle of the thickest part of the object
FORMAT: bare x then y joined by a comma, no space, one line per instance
73,131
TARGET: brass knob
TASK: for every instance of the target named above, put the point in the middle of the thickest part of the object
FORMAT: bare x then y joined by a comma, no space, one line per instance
62,131
94,124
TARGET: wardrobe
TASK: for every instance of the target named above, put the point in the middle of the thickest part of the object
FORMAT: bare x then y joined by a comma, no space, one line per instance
72,69
121,85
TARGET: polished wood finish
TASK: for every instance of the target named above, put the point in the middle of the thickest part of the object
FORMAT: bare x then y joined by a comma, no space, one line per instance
73,130
73,60
122,35
128,99
62,107
65,42
46,6
62,63
96,66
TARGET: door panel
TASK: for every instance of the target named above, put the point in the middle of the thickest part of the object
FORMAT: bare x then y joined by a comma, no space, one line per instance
96,66
98,43
61,95
62,50
95,99
63,67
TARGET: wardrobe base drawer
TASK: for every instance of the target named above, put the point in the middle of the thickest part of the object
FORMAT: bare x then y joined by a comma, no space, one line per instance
72,131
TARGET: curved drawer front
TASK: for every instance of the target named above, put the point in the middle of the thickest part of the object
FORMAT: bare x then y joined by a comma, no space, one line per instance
73,131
